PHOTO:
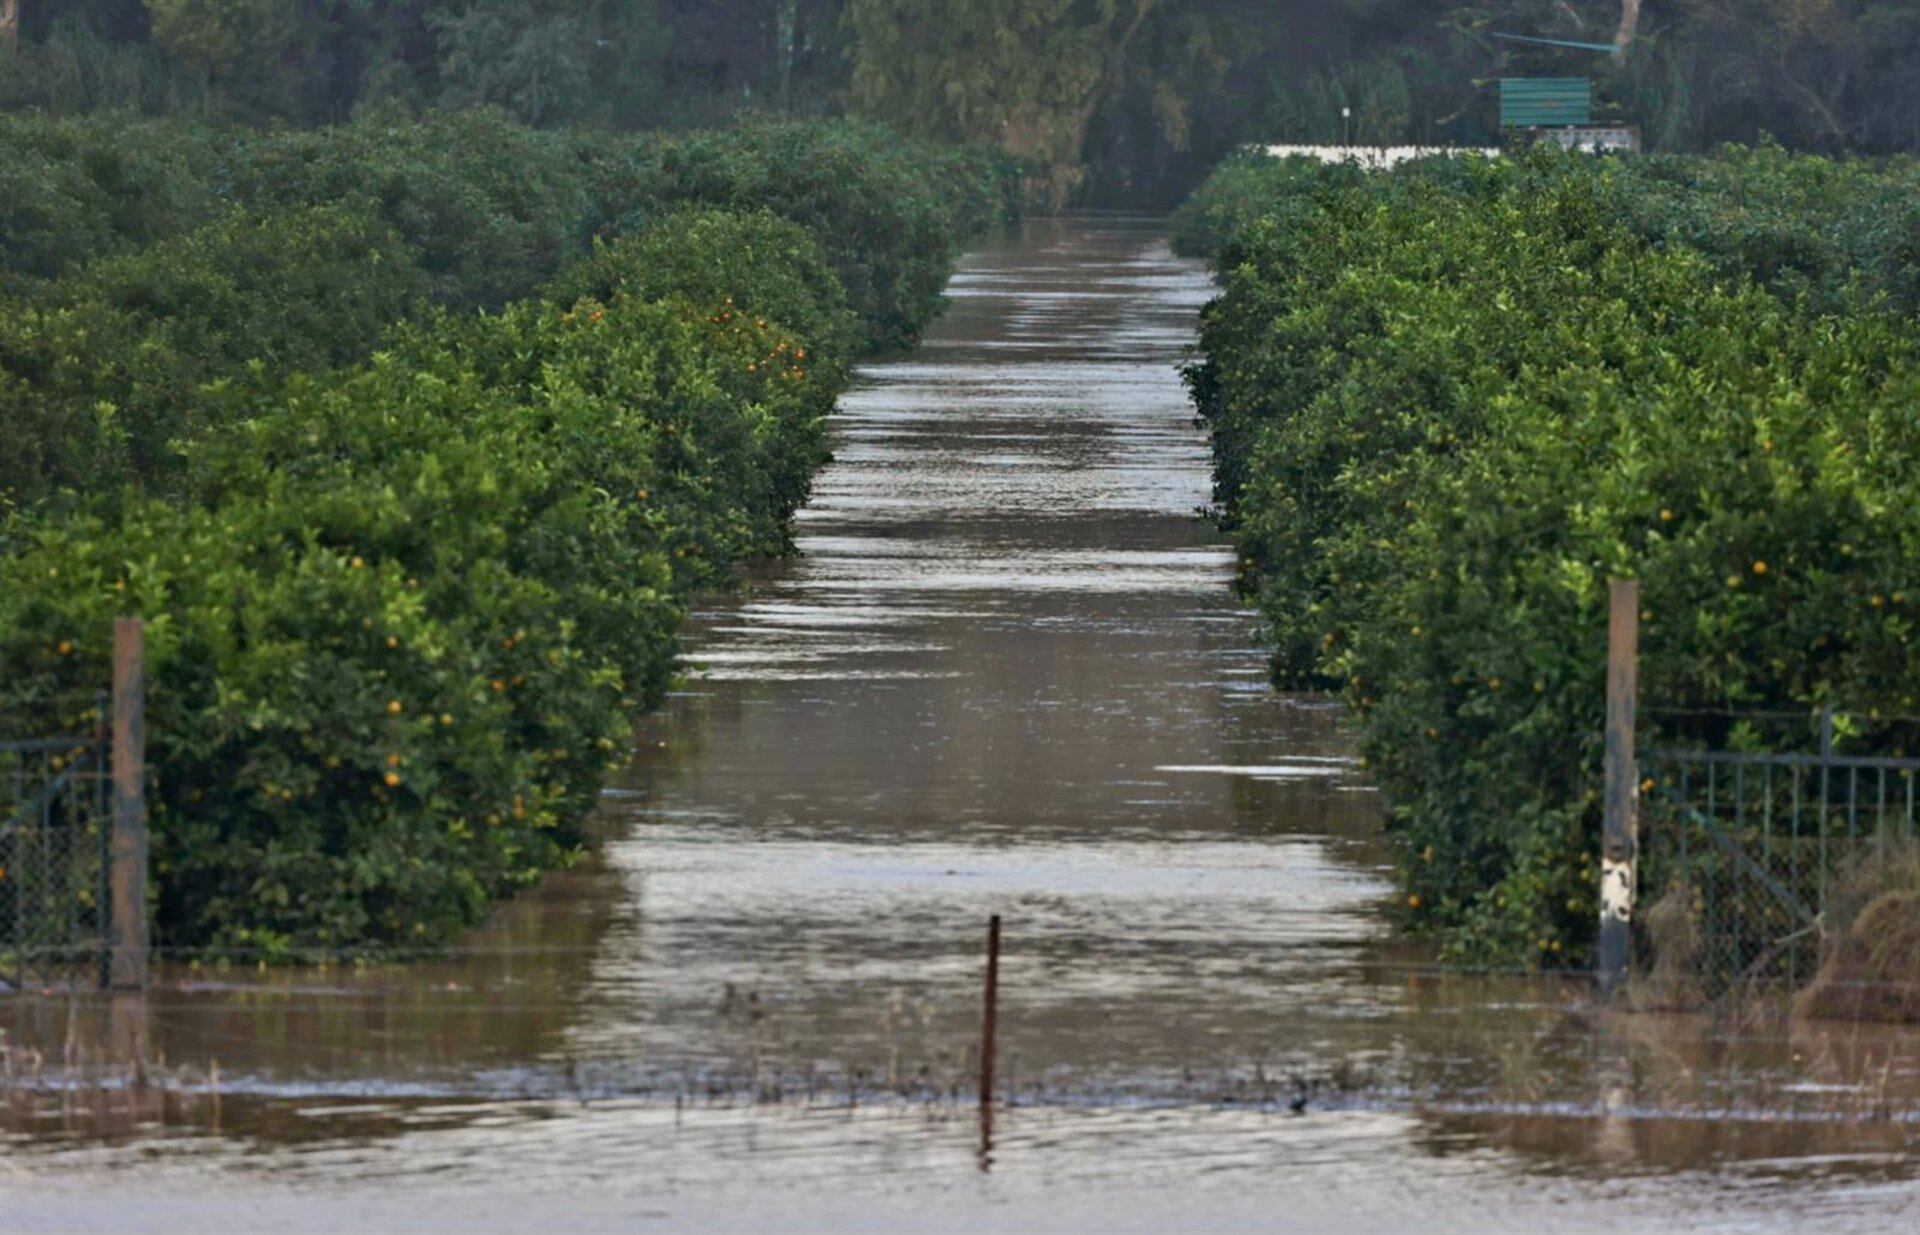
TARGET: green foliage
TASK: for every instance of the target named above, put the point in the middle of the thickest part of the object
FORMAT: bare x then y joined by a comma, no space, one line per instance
341,232
274,823
1361,102
1006,70
745,264
1065,86
1244,188
102,374
403,605
1831,75
219,36
1111,101
626,63
553,62
396,641
76,69
1448,404
71,190
890,215
1802,225
247,53
492,206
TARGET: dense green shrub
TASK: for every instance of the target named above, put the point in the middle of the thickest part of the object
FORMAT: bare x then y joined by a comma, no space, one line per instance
984,185
397,642
1246,187
409,569
340,231
280,637
763,286
399,631
752,260
493,207
1449,404
1801,225
76,189
102,373
888,213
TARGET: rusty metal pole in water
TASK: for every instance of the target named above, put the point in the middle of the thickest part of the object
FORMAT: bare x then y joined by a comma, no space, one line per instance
989,1019
992,1014
127,929
1621,824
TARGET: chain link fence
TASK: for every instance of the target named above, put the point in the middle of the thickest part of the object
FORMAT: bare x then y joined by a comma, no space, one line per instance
1757,856
55,829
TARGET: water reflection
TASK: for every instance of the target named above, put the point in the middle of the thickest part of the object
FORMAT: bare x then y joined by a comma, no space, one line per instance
1005,675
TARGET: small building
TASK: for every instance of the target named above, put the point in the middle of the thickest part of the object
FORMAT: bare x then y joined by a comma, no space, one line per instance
1559,110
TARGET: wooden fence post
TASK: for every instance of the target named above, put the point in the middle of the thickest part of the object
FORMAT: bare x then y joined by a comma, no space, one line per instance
1620,837
128,938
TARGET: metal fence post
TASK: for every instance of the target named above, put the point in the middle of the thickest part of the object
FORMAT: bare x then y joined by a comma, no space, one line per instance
1826,796
128,932
990,1019
1620,836
989,1027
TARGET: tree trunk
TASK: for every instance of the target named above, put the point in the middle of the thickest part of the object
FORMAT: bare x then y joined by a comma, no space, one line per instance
10,24
1111,73
1629,24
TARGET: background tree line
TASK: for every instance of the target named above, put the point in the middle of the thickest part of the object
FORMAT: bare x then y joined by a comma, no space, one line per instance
1111,100
630,63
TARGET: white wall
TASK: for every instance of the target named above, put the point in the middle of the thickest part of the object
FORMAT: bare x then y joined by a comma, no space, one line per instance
1376,156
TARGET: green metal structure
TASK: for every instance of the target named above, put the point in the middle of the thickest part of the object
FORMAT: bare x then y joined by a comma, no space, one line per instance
1545,102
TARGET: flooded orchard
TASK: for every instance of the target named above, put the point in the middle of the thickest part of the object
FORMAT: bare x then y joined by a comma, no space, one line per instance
1005,674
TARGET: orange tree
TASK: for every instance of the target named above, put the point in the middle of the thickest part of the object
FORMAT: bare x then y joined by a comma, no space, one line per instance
401,626
1449,404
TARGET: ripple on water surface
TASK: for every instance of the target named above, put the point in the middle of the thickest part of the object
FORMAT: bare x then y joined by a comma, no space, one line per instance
1004,675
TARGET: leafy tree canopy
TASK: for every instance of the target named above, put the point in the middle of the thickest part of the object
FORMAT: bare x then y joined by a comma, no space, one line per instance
1108,99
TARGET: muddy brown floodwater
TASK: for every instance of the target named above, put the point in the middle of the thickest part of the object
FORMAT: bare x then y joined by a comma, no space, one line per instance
1005,674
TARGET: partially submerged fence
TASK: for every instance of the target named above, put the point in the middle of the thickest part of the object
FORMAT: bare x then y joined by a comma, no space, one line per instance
54,893
1738,858
1768,851
73,839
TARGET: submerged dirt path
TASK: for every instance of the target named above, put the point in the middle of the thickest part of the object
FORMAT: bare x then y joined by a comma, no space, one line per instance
1005,674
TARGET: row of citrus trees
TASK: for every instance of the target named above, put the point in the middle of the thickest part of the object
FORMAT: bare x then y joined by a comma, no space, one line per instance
1449,403
1811,229
145,259
411,483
